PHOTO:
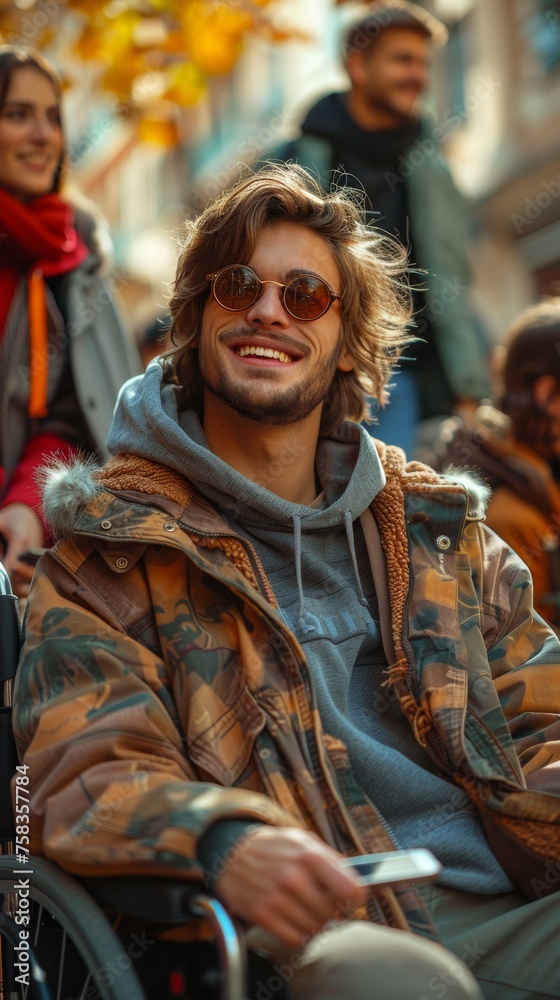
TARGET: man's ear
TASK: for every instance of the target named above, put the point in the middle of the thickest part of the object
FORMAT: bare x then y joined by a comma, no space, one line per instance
346,362
546,393
356,68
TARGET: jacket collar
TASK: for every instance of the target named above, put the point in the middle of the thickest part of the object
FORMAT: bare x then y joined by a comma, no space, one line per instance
69,488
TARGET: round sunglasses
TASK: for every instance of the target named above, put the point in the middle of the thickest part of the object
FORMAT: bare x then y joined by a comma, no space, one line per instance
305,297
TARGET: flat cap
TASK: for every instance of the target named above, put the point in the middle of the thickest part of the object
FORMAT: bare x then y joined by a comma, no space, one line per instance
394,14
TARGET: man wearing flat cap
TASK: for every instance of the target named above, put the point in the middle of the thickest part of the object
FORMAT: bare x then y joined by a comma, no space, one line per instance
373,134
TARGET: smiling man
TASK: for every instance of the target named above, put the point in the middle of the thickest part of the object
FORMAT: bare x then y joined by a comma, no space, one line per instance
377,136
286,645
289,376
269,366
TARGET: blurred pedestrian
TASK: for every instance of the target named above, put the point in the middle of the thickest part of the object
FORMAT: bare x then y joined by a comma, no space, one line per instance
373,134
63,350
514,447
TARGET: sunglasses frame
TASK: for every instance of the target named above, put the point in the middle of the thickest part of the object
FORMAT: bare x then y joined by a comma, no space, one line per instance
260,283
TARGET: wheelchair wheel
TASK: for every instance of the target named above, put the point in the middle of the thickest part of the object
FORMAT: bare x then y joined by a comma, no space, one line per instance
82,956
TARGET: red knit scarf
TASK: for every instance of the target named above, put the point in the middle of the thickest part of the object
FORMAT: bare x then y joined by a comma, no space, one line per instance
37,233
37,238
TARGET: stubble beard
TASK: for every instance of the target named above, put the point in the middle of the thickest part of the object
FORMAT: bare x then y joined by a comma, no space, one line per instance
387,106
287,405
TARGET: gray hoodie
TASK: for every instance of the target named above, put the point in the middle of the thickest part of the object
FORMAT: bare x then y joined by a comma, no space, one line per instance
317,562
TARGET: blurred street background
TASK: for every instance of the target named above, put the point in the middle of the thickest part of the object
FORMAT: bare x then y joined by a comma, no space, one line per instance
167,99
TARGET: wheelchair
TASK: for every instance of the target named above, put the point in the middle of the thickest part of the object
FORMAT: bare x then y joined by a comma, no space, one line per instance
101,938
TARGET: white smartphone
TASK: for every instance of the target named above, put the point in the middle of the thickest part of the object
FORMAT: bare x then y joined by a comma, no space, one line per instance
395,867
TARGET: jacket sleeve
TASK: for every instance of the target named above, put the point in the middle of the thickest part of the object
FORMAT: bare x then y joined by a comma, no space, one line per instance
111,788
524,656
441,238
23,486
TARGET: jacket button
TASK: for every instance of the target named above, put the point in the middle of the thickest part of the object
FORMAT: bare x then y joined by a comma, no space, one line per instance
443,542
106,525
169,526
121,563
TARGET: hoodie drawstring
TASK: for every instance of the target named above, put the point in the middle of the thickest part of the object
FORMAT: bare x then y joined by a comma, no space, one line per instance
350,537
349,526
297,555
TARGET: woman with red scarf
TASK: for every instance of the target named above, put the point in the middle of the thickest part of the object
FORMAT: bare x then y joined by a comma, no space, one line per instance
63,351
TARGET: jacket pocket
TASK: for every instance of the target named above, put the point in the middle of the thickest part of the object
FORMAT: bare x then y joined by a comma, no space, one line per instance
224,749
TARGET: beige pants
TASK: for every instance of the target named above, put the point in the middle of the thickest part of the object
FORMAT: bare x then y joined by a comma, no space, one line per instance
363,961
510,943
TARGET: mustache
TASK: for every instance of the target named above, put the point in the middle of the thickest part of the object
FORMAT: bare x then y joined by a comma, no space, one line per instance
247,333
407,84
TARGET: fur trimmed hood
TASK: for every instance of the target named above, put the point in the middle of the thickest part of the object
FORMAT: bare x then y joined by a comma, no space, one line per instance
479,491
68,487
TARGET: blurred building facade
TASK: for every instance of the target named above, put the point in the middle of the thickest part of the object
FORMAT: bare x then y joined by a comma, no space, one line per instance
495,103
497,85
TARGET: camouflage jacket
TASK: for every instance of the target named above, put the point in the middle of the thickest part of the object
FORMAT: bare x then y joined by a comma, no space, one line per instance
160,691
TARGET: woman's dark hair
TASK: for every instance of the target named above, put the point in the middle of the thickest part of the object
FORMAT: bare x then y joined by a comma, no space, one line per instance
532,349
14,57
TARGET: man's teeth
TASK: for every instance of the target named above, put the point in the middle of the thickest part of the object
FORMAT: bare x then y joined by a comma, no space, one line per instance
264,352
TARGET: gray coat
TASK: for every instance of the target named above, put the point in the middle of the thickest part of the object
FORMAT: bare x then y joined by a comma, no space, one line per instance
90,354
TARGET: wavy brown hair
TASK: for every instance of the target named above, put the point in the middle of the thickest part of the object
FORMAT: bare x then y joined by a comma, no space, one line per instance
376,302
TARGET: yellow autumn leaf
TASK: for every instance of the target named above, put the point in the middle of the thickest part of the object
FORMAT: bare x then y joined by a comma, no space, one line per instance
158,132
119,31
132,39
174,43
186,84
227,21
214,54
87,46
119,76
214,36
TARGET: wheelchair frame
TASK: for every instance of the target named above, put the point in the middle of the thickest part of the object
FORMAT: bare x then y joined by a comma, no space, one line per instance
37,887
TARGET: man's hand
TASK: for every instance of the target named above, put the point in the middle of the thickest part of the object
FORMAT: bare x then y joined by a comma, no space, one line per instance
288,882
22,530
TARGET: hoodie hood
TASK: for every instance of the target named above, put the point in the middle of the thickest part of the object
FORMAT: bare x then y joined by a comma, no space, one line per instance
147,423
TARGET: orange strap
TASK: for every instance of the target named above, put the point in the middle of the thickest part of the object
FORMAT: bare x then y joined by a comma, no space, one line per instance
38,345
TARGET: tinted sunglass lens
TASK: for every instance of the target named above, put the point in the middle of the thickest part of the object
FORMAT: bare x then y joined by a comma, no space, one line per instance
307,297
236,288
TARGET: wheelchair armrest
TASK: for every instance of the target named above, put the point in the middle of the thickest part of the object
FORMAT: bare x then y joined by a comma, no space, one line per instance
173,903
148,898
